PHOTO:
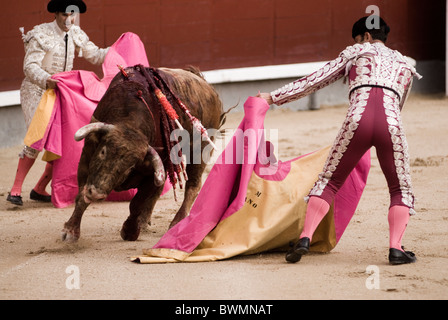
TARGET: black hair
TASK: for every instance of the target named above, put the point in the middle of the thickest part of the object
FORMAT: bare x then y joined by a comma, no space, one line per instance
361,27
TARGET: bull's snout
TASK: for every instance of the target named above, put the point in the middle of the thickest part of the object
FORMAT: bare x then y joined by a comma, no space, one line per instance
91,193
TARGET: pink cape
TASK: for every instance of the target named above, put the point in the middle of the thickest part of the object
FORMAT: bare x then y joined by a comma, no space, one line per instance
204,234
77,96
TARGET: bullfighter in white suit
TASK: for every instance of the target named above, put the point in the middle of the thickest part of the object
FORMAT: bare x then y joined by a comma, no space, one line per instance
49,49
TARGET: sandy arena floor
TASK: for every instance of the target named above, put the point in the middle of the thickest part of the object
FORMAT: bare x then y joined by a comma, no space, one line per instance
36,264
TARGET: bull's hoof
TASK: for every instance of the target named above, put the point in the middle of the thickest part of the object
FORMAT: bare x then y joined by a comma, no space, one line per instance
130,236
129,231
69,235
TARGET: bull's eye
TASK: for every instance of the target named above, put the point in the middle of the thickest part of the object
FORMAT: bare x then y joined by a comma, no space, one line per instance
102,154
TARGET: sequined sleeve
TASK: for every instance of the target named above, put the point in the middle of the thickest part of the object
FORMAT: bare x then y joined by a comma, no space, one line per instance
87,49
406,94
32,65
326,75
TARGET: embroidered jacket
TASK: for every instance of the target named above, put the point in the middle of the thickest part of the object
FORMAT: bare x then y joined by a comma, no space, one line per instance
376,65
45,55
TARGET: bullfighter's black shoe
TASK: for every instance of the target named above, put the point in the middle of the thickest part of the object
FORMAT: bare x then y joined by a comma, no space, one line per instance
298,250
401,257
39,197
17,200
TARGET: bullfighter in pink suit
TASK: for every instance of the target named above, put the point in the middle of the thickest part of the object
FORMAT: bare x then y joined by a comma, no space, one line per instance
379,82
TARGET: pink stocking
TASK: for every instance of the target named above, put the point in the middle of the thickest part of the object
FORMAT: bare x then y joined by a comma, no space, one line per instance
23,168
315,212
398,221
44,180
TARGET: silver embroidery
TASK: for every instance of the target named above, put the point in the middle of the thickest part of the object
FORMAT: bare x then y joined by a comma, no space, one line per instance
45,56
328,74
358,102
378,65
400,147
29,152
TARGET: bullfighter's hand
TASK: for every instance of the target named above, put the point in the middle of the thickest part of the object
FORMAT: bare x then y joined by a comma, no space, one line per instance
52,83
265,96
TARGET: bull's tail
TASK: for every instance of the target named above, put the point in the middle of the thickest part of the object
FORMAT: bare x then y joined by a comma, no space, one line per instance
195,70
223,117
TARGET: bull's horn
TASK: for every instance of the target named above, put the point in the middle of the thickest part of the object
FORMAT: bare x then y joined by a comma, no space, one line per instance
157,164
91,127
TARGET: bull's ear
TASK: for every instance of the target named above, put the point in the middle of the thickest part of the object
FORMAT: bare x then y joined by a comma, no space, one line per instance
92,127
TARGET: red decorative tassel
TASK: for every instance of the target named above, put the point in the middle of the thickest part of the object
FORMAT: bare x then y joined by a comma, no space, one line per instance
166,105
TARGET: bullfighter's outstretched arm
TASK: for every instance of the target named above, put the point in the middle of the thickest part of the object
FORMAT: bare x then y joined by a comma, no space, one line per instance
329,73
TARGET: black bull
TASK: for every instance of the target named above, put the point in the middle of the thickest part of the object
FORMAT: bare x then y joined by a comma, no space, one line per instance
124,149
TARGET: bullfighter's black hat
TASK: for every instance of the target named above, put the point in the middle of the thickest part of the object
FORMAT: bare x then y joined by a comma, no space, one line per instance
62,5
